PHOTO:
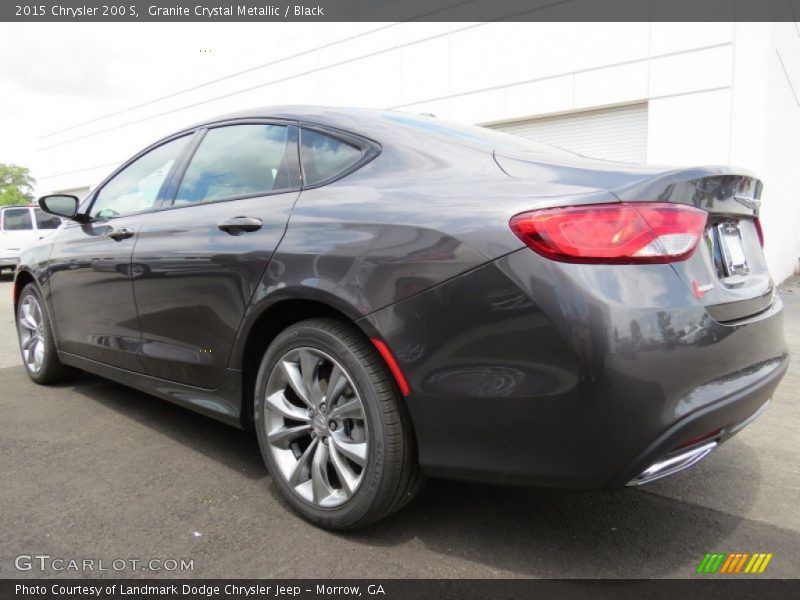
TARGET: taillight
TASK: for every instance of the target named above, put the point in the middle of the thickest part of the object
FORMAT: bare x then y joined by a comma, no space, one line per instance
646,232
759,231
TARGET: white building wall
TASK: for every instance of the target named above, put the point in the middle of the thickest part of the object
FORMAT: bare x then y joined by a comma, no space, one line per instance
708,88
781,208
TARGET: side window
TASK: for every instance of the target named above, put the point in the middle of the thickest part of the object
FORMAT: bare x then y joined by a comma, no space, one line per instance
136,187
323,157
17,219
45,221
235,161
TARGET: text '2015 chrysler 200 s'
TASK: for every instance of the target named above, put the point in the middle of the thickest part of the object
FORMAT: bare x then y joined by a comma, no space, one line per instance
384,296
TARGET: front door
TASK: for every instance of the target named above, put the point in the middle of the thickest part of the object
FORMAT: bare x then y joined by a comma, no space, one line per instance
91,273
198,262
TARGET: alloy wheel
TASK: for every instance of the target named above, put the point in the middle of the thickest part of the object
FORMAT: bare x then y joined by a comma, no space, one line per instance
316,428
31,333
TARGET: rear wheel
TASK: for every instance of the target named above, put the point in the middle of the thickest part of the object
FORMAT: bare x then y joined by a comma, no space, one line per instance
332,426
36,342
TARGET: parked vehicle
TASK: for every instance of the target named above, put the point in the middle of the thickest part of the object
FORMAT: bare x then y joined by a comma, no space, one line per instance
383,296
20,226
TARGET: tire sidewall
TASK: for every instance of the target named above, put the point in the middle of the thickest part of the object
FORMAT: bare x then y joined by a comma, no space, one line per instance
365,497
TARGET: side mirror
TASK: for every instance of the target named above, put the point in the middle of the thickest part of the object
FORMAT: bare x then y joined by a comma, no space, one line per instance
60,205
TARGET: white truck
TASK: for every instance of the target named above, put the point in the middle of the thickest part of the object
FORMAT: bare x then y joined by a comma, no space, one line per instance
20,226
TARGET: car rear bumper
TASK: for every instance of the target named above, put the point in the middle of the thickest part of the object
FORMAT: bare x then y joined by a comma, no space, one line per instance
688,455
579,376
667,456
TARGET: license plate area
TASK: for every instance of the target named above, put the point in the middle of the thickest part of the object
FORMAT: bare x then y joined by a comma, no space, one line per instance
729,237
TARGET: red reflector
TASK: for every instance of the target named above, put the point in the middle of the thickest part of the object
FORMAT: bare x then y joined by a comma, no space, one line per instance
700,289
387,355
759,231
698,439
646,232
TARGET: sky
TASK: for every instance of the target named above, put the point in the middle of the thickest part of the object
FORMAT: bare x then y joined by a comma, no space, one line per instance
53,75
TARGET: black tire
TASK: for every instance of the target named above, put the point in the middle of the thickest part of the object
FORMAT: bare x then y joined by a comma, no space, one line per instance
391,476
52,369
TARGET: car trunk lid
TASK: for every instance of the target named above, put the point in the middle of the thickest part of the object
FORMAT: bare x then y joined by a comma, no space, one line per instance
727,273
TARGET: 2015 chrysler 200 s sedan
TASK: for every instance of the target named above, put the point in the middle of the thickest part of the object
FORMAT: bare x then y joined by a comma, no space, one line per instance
383,296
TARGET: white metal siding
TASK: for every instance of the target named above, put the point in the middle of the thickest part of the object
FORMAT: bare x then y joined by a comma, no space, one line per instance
618,133
80,192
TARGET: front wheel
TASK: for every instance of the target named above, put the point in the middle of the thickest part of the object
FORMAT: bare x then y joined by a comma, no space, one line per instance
332,427
36,343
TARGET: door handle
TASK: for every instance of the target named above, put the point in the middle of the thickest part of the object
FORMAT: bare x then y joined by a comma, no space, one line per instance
120,234
240,225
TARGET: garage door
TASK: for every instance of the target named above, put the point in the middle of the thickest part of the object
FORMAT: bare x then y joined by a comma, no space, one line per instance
618,133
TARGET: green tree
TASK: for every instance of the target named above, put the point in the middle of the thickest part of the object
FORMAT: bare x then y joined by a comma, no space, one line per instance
16,185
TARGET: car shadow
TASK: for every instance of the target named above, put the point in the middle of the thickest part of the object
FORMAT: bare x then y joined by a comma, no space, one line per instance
629,533
227,445
525,532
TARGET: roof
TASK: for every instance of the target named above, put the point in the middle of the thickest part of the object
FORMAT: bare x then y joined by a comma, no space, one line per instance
397,126
333,116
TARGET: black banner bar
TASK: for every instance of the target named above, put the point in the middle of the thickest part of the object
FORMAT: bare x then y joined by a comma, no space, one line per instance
398,10
706,587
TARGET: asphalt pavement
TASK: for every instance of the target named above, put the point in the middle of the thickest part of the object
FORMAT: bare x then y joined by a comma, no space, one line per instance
94,470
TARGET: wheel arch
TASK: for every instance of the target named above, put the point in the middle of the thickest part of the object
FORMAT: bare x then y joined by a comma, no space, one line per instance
266,322
21,279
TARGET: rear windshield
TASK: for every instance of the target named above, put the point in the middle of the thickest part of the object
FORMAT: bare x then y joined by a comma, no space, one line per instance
480,137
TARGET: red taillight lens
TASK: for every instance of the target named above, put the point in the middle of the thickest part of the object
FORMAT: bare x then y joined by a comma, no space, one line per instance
646,232
759,231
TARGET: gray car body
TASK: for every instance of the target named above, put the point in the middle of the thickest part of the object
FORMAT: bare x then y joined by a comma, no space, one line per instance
521,369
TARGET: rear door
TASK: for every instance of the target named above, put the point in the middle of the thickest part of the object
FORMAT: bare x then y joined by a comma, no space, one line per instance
200,259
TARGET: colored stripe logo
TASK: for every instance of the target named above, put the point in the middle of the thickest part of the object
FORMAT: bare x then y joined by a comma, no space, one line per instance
735,562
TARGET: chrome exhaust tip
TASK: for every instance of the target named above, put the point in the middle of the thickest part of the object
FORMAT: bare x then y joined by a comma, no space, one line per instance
673,463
